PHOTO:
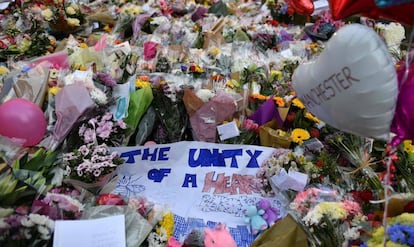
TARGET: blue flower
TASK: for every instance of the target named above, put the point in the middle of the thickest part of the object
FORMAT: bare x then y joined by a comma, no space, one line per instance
396,233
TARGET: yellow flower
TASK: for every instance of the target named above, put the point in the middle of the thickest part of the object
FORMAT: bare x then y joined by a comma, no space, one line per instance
107,28
296,102
73,22
198,69
54,90
167,224
278,73
408,146
83,45
311,117
47,14
279,101
215,51
300,135
232,83
70,11
3,70
141,83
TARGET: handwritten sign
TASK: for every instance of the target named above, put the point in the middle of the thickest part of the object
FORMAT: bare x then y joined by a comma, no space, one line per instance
208,181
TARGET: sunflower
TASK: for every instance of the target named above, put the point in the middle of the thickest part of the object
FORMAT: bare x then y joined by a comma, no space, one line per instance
312,117
296,102
300,135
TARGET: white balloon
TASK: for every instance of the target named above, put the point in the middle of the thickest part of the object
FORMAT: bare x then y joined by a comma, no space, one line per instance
352,85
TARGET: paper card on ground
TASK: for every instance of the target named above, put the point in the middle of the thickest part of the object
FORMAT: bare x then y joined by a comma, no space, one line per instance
298,180
290,180
103,232
228,130
280,179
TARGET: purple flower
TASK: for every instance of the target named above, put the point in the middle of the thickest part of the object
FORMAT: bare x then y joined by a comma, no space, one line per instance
121,124
89,136
106,79
107,116
84,150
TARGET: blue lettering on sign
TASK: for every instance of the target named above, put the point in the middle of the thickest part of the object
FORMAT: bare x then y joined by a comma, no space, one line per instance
232,154
253,158
157,175
156,155
147,153
130,155
190,178
207,158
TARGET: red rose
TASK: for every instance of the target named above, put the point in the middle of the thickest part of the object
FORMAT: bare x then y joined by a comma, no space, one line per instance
319,163
110,199
290,117
315,133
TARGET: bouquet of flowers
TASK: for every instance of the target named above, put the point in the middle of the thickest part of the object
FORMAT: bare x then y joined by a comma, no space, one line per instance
400,232
355,151
91,164
63,17
103,130
329,219
288,160
34,226
249,133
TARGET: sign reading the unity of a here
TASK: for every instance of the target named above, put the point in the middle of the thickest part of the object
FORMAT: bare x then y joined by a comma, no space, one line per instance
208,181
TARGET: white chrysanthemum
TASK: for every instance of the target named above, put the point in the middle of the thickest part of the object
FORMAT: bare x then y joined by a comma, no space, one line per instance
47,14
73,22
26,222
351,234
98,96
205,94
38,219
393,33
70,10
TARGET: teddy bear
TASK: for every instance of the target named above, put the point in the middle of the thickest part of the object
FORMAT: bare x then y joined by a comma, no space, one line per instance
271,214
254,217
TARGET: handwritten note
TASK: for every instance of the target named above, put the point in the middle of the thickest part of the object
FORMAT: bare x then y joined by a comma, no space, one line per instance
103,232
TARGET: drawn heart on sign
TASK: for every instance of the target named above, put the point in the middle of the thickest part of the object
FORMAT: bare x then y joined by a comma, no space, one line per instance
352,85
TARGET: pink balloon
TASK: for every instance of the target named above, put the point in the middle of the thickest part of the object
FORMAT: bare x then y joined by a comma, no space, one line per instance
22,119
403,121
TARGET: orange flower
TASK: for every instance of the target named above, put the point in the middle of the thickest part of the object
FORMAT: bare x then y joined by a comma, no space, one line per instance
258,96
279,101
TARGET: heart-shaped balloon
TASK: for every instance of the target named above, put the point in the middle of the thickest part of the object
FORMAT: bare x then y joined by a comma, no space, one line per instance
403,122
344,8
302,7
352,85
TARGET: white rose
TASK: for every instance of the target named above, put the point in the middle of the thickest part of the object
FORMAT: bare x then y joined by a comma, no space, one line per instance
47,14
70,10
73,21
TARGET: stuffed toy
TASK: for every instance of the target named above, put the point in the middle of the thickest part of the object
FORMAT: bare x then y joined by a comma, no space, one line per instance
254,217
218,237
271,214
